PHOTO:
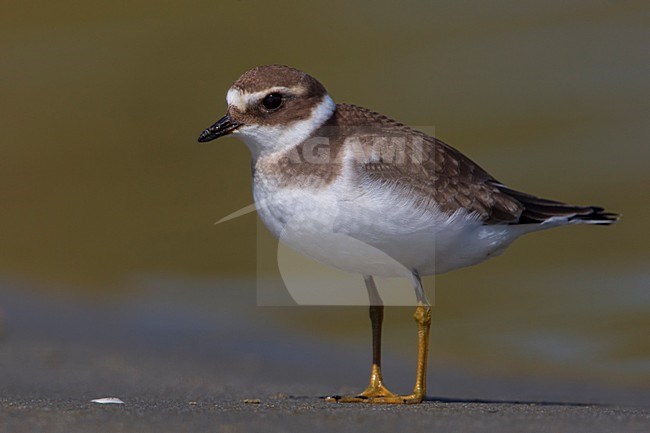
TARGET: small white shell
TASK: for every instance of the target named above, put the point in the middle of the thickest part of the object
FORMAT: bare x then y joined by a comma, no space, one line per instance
107,400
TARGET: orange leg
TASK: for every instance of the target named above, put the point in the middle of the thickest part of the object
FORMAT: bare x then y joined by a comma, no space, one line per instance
376,391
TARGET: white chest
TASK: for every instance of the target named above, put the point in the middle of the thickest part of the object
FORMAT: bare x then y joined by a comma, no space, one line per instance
374,231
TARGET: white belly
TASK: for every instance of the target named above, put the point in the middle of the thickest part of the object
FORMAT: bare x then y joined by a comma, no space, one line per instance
374,232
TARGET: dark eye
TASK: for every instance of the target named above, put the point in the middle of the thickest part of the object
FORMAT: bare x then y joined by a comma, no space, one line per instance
272,101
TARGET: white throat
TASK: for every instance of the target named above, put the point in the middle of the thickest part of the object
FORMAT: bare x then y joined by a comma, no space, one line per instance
267,139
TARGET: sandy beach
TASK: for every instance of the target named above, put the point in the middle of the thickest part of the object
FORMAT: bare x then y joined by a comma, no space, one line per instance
178,369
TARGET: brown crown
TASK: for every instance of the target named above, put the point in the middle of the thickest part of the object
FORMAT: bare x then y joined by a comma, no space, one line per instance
265,77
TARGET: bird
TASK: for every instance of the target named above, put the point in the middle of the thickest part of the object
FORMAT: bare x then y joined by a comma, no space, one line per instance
364,193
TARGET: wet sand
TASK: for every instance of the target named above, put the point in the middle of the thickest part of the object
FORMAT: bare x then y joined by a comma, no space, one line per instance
179,369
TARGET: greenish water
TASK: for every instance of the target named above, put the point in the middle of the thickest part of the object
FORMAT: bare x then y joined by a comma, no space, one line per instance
101,178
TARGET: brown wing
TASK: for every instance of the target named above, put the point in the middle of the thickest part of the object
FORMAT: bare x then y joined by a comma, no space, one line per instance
395,155
422,166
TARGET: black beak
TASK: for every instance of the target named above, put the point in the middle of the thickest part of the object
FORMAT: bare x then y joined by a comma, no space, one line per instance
224,126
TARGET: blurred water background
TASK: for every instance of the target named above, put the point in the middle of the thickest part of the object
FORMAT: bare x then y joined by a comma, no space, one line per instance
106,196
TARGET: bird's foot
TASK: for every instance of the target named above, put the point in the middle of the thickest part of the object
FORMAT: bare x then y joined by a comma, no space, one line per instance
376,395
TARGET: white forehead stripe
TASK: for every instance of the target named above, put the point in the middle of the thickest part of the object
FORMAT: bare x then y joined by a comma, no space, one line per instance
234,97
241,99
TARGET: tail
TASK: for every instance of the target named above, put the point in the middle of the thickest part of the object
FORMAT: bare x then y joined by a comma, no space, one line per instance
539,210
